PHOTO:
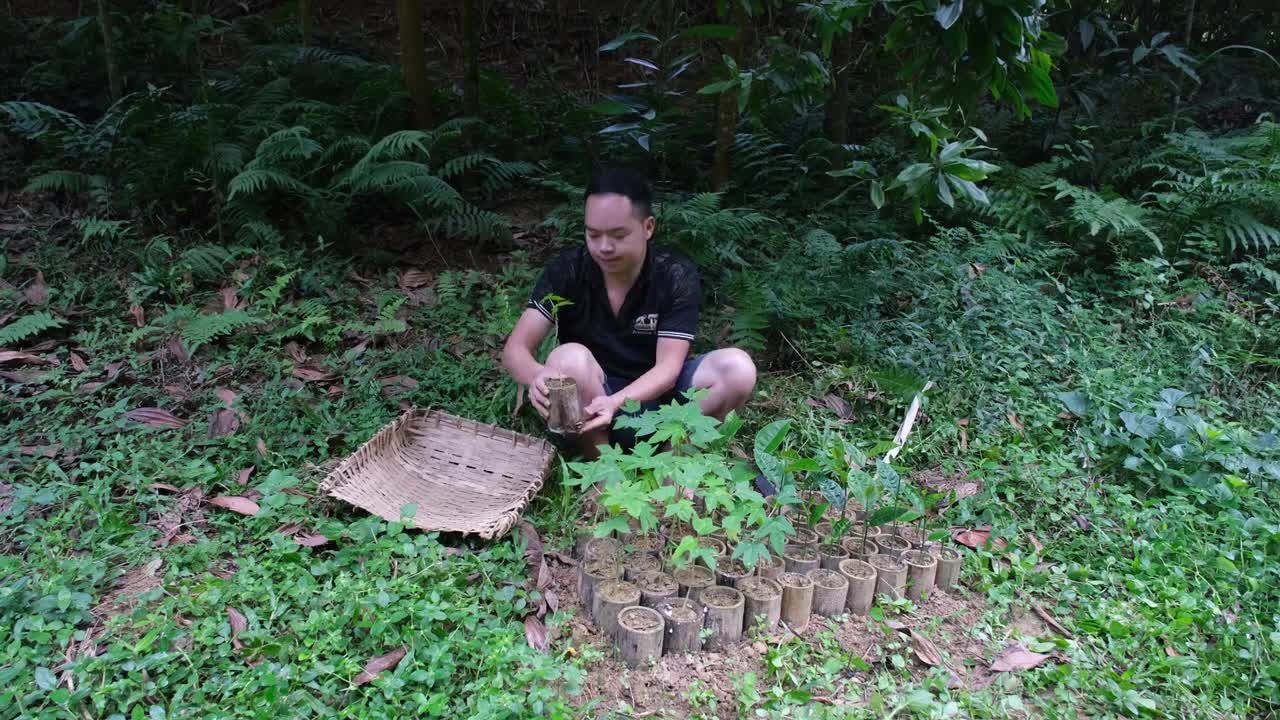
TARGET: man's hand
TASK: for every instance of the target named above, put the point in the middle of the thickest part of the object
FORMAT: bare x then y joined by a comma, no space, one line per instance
599,413
538,396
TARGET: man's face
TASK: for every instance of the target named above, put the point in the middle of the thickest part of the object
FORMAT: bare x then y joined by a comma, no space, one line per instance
616,238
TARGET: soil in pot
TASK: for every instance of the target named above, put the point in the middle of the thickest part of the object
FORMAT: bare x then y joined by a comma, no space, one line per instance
891,575
910,533
640,635
636,564
800,558
922,569
830,592
609,599
725,607
655,587
564,416
692,580
829,556
858,550
763,600
892,545
683,619
593,572
949,562
804,536
797,600
645,544
862,585
731,572
603,547
824,529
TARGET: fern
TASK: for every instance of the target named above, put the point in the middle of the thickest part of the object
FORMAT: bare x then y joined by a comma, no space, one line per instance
207,328
258,180
1244,231
92,227
1118,216
32,120
29,326
750,320
1260,272
271,296
470,222
206,262
66,181
387,322
312,315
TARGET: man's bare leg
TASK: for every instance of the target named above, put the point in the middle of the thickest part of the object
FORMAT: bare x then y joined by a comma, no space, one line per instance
576,361
729,375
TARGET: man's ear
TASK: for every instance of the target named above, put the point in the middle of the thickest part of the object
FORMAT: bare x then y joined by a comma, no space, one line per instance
650,223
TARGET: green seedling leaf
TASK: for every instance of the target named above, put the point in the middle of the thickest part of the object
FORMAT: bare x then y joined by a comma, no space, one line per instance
625,38
948,14
1077,402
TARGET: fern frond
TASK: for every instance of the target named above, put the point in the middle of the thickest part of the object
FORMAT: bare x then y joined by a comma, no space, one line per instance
260,232
67,181
1260,272
472,223
32,119
207,328
1242,230
206,262
93,227
255,181
29,326
294,143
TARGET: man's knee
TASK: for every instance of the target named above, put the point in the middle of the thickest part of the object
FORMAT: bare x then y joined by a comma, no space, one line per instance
574,359
737,370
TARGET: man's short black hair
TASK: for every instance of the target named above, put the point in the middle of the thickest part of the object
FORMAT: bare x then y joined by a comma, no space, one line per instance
627,182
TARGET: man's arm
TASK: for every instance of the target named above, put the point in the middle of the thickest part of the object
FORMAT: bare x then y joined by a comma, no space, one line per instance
655,383
522,343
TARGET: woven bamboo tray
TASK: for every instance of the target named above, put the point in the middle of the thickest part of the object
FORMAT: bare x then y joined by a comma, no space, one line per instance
464,476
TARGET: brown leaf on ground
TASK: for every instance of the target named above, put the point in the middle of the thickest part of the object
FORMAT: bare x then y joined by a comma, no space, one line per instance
1081,521
178,351
295,352
310,539
262,449
925,650
532,549
398,384
535,633
89,388
416,278
23,358
977,537
229,299
114,369
243,477
1035,542
553,600
164,486
78,363
377,666
1015,658
1168,650
967,489
238,625
225,395
44,450
1017,424
307,374
357,350
223,423
236,503
139,317
840,406
37,293
544,576
156,418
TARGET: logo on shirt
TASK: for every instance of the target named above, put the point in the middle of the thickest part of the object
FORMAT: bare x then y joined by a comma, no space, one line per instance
646,324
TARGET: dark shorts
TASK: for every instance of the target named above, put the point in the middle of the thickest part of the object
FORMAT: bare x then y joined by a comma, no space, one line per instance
626,437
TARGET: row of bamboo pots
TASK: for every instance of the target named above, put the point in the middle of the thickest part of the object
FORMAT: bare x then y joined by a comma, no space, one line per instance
647,608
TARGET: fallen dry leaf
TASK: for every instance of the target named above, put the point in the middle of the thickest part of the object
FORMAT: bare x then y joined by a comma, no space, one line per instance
1168,650
544,576
925,650
357,350
238,625
225,395
89,388
1081,521
1017,424
416,278
223,423
840,406
47,450
236,503
114,369
1015,658
178,351
535,633
23,358
310,539
155,418
243,477
1035,542
139,317
377,666
977,537
967,489
262,449
398,384
164,486
78,363
553,600
229,299
307,374
296,353
37,293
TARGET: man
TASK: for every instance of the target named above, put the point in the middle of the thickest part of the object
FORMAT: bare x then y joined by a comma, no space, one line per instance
631,320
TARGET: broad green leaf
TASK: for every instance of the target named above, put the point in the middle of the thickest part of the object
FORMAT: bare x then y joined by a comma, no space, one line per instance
877,194
610,107
1141,425
771,436
663,494
704,526
948,14
972,191
45,679
623,39
750,552
1041,87
1077,402
944,191
716,88
886,514
617,524
641,62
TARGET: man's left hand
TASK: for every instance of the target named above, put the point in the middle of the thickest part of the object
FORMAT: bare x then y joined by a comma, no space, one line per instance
599,413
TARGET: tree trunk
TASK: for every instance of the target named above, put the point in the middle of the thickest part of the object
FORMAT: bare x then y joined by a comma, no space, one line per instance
413,61
470,56
836,121
108,50
305,12
727,117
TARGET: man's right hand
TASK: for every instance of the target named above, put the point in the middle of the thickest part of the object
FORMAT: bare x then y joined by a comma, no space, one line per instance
538,391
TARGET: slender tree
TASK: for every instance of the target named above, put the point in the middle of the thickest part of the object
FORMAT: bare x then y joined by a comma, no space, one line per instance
836,119
727,117
305,12
114,85
413,61
471,60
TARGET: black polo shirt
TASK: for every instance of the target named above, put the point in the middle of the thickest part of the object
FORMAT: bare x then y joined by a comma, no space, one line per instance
664,302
